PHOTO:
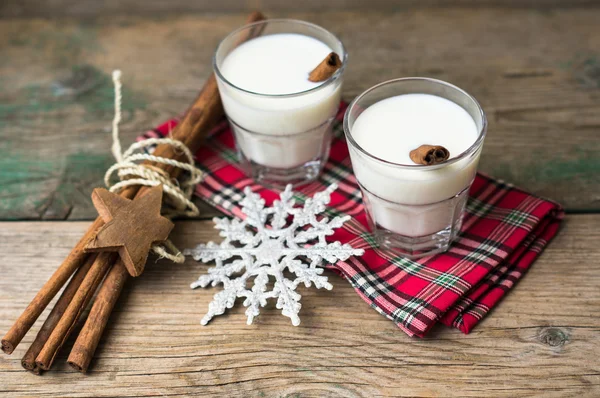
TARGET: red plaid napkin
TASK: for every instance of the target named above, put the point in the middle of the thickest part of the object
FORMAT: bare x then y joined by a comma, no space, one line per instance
503,232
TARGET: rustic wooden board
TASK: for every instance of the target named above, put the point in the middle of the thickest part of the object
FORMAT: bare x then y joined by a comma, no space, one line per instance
536,72
541,341
91,8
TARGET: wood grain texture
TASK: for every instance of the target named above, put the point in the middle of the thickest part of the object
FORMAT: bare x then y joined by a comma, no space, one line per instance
92,8
541,341
536,72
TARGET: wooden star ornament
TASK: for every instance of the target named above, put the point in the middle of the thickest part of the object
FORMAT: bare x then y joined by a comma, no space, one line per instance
132,226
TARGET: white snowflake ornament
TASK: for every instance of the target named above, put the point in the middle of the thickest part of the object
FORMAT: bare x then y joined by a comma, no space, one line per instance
268,242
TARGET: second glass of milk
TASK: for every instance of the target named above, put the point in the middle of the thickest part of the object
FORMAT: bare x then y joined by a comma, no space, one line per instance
414,209
282,121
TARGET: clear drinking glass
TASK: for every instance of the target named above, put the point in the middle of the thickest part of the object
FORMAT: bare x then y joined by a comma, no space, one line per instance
285,138
415,210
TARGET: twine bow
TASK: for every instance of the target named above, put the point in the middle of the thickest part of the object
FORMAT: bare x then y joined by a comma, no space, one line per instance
177,199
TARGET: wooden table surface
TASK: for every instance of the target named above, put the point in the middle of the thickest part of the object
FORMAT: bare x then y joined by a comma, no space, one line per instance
534,68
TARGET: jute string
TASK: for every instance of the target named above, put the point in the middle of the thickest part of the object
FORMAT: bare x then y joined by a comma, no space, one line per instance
176,201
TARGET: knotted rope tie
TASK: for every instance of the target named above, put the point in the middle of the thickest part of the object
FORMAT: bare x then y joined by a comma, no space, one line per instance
176,201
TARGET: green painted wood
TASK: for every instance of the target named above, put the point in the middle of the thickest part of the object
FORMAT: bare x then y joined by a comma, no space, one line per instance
535,71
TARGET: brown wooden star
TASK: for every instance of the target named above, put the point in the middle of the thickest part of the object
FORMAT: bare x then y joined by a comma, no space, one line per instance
132,226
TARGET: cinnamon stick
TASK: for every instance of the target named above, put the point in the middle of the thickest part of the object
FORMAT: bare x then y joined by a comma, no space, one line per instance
326,68
429,154
89,337
254,16
80,300
28,360
204,114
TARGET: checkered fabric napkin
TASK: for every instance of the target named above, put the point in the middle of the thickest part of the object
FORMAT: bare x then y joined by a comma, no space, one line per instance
503,232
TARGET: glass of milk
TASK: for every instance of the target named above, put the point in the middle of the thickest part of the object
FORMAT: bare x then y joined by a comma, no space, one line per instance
414,209
281,120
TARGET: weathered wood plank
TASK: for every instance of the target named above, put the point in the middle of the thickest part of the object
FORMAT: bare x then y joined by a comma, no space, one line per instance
541,341
93,8
536,72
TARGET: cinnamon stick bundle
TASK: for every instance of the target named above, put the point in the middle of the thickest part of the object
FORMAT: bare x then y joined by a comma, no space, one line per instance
90,269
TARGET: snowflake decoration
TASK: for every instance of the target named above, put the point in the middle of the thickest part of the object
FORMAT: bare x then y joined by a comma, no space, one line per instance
270,241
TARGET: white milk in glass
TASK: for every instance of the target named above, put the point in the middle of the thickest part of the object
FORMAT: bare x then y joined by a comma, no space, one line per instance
412,201
272,73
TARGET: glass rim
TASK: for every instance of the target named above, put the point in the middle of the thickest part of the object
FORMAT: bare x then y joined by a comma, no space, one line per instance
331,79
476,145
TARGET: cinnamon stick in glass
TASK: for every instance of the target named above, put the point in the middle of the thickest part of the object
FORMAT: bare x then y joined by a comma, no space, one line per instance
429,154
326,68
204,114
